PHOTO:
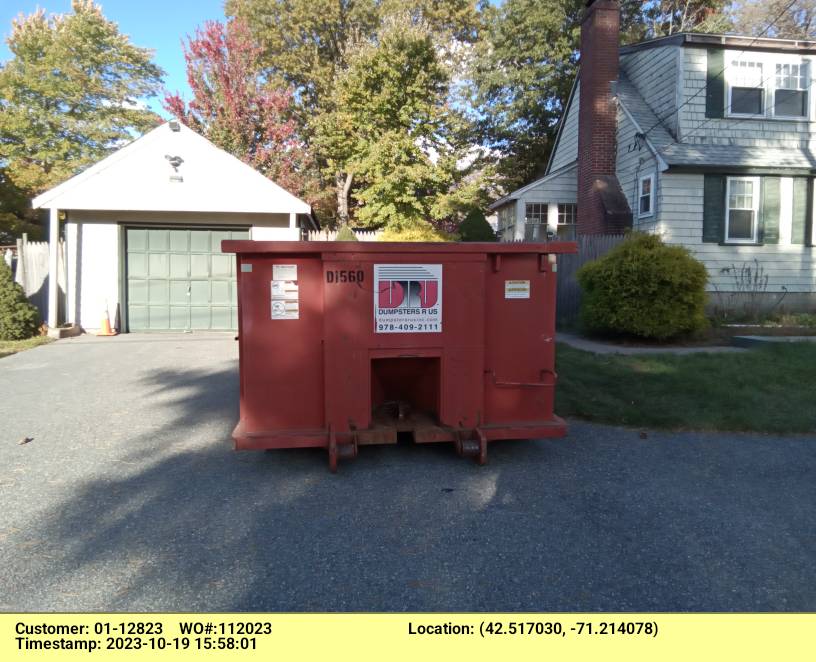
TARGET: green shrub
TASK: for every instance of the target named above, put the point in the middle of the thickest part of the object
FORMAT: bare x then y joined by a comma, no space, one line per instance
18,318
644,288
476,228
345,233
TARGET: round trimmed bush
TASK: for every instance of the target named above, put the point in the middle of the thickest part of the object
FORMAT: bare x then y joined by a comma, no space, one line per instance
18,318
644,288
345,233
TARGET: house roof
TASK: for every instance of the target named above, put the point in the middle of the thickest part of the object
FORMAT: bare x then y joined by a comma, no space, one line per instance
687,155
724,41
643,117
737,156
515,195
137,177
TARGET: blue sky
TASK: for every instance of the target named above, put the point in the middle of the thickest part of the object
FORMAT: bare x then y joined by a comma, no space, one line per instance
155,24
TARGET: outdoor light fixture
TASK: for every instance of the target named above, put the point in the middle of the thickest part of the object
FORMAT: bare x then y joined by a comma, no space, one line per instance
175,161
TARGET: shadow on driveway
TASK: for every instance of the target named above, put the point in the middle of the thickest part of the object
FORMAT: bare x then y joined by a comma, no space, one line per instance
164,515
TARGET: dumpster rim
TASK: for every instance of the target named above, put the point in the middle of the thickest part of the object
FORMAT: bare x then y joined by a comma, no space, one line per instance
246,246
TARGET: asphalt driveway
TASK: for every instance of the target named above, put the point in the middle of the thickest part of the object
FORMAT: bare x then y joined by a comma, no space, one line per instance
130,497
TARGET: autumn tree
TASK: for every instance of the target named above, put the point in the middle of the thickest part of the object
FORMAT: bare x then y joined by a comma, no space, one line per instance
71,92
661,18
310,44
235,107
775,18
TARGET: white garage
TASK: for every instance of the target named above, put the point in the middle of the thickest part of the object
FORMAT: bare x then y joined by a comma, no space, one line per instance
143,231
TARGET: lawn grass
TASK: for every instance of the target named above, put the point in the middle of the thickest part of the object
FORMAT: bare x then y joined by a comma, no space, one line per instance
9,347
770,389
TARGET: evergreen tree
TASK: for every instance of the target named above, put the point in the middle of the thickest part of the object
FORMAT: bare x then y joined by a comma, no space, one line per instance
18,318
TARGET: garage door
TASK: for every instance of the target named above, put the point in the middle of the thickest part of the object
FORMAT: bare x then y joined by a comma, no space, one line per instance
179,279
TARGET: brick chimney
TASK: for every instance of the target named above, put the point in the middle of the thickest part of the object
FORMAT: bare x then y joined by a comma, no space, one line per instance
602,206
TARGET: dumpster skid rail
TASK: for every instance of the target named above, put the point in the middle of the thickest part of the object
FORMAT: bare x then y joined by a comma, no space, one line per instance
347,344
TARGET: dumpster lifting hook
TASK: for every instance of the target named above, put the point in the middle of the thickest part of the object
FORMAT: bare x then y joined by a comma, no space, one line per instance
339,452
475,448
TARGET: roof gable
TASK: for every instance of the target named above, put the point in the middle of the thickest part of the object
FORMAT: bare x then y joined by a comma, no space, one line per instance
137,177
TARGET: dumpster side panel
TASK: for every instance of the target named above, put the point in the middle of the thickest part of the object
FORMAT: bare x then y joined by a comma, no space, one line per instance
282,389
520,341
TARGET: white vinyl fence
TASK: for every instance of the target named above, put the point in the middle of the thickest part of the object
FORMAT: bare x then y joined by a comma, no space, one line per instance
329,235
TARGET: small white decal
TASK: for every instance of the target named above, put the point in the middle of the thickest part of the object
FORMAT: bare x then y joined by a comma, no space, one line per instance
517,289
284,272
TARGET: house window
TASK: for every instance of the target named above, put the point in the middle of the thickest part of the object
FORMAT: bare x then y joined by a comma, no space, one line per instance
567,215
646,195
535,216
536,212
790,93
746,89
507,221
742,194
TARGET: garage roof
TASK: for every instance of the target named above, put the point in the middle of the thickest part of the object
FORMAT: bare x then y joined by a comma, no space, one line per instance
140,177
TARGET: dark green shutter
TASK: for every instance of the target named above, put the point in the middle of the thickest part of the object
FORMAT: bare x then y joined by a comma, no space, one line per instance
713,208
715,84
800,206
769,218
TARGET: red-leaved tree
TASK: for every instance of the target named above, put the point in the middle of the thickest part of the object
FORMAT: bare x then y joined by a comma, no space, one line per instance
236,108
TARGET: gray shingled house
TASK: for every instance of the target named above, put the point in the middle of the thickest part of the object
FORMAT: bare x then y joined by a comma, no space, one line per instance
708,140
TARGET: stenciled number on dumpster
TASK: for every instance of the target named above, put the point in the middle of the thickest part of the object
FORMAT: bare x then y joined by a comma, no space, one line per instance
407,298
345,276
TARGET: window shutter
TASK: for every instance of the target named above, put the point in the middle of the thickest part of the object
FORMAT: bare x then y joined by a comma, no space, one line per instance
715,84
769,218
800,207
713,208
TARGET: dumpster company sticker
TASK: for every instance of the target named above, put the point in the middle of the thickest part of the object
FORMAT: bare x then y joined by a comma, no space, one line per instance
284,272
407,298
284,292
517,289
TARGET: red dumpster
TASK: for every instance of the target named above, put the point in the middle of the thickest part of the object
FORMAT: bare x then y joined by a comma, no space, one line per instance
344,344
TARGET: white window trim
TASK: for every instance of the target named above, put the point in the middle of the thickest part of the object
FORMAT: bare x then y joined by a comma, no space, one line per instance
542,203
729,86
754,207
769,62
772,91
643,178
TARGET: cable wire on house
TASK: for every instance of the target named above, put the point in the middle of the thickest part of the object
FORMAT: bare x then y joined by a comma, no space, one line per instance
770,25
731,121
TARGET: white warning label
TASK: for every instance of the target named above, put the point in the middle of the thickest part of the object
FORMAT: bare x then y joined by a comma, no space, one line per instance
407,298
517,289
285,303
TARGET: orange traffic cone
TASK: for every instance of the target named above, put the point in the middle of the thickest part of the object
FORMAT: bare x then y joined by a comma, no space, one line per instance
106,327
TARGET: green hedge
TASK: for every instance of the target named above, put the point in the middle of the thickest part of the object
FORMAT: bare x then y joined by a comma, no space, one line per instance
644,288
18,318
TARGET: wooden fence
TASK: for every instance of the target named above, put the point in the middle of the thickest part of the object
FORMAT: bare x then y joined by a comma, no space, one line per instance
568,300
329,235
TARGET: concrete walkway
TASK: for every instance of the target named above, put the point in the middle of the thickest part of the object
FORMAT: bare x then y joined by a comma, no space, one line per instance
756,341
598,347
